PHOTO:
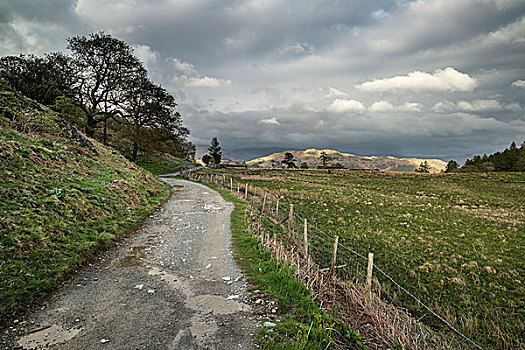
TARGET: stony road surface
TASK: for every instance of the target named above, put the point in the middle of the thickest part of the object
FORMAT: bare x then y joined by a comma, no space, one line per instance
174,285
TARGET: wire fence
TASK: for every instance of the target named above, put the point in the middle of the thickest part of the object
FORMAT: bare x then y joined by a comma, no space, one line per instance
331,255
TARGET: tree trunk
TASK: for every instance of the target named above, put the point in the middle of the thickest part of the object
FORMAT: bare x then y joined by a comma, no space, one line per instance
135,151
105,132
90,126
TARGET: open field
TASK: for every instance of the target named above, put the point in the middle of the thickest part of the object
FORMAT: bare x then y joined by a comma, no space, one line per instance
455,241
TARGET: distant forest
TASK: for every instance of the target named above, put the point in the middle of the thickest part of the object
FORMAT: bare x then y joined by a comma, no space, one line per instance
511,159
104,89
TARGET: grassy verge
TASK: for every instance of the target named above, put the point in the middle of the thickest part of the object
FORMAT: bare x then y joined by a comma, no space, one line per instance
159,164
304,325
60,202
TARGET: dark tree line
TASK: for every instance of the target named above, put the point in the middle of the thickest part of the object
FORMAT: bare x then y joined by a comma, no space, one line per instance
43,79
102,82
511,159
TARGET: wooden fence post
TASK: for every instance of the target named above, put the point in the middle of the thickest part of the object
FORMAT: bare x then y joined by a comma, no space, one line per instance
306,238
277,209
223,180
369,276
334,253
264,203
238,188
290,220
231,184
246,191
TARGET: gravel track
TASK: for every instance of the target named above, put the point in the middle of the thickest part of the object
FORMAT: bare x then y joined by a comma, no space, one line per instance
174,285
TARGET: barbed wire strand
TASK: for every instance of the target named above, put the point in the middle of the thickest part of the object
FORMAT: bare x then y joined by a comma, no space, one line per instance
396,284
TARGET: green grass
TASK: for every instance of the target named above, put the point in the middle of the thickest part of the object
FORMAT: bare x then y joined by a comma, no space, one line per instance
455,241
303,325
159,164
59,203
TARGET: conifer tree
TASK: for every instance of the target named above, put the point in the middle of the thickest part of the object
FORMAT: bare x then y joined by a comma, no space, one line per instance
215,150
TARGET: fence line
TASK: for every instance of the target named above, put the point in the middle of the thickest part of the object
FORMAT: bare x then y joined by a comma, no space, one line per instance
308,224
416,299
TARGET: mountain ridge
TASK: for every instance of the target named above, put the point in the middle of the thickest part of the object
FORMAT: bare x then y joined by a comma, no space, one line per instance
311,156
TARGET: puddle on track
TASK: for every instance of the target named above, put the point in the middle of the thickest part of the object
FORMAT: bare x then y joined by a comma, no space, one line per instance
219,305
132,260
203,330
43,338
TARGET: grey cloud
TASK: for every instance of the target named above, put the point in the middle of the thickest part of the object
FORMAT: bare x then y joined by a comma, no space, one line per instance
278,67
475,106
429,134
37,27
432,25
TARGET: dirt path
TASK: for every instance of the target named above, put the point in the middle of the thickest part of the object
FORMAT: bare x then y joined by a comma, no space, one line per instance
173,286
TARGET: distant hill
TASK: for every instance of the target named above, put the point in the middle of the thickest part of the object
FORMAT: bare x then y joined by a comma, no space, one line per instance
239,154
349,161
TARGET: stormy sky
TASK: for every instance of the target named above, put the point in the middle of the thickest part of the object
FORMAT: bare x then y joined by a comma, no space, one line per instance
442,78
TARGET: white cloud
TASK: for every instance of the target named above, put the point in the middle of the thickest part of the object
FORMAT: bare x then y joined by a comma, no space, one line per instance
271,121
474,106
447,79
513,106
444,106
146,55
519,83
208,82
480,105
192,78
381,106
384,106
411,107
343,106
182,66
513,33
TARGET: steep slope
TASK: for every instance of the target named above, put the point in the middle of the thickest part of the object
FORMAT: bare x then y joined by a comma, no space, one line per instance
349,161
63,197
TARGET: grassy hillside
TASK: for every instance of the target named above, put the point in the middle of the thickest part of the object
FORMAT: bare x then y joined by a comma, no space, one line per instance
155,162
349,161
62,198
454,240
159,164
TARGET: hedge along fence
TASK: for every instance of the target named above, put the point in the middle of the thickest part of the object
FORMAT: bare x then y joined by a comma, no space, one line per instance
341,279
